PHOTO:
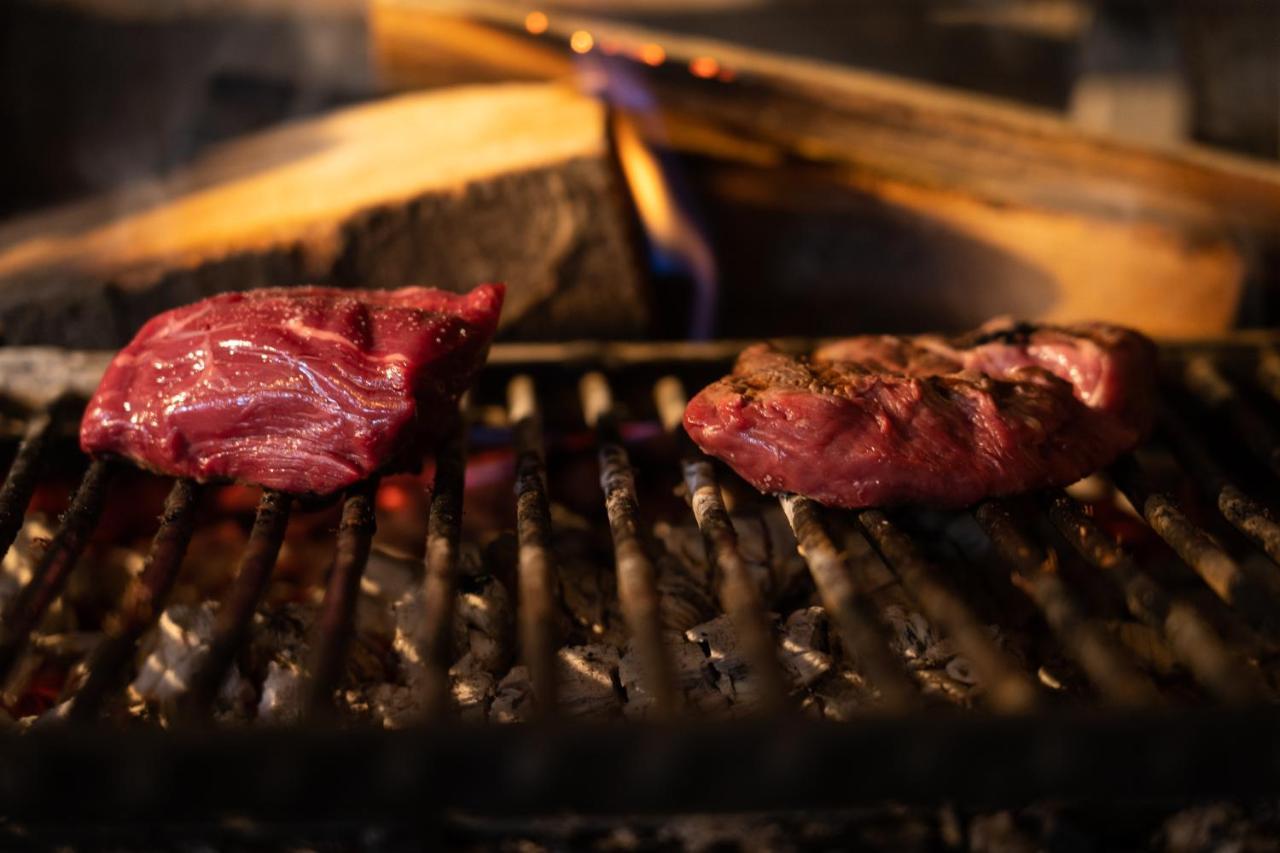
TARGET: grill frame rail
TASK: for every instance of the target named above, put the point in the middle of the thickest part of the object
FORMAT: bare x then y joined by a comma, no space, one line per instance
905,751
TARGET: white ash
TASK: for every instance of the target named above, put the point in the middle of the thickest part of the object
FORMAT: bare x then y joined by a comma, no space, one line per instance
514,700
932,657
588,676
585,684
391,706
472,687
386,580
777,549
733,677
589,592
483,621
765,542
20,561
278,654
282,694
172,652
913,637
586,577
742,832
804,646
686,595
482,634
694,676
841,696
708,668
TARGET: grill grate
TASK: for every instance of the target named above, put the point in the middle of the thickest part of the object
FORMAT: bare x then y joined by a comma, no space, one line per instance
786,751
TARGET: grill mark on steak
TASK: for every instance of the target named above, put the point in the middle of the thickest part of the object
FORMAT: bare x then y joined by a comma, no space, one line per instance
881,420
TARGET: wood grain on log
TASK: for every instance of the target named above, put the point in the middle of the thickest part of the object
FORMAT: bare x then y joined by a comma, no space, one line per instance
510,182
940,198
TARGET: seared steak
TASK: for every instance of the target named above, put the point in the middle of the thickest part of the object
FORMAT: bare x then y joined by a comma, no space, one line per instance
880,420
305,390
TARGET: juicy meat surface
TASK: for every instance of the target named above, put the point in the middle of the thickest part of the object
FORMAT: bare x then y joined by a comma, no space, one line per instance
305,389
883,420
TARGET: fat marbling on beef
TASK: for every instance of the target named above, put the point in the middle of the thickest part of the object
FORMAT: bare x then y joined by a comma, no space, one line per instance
305,389
883,420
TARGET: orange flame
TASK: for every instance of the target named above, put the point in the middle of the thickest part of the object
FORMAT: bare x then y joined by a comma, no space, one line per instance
667,224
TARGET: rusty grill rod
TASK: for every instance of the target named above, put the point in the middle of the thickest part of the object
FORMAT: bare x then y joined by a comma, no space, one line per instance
1217,393
27,609
337,611
20,483
535,564
231,625
1196,547
739,595
637,581
440,584
1245,514
143,601
1009,688
864,634
1101,658
1193,640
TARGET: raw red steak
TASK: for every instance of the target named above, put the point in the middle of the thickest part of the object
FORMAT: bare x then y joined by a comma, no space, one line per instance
880,420
306,389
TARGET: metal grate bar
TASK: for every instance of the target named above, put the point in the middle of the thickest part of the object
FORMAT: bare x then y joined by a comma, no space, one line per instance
1218,394
537,600
1087,642
864,634
143,601
440,586
28,608
738,593
1009,688
20,483
259,775
1196,547
1245,514
337,611
234,616
637,582
1194,641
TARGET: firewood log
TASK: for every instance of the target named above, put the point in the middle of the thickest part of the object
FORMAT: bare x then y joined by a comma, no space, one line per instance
510,183
893,204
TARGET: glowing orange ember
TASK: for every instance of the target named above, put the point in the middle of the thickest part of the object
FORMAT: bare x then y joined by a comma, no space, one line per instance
393,497
652,54
704,66
581,41
536,23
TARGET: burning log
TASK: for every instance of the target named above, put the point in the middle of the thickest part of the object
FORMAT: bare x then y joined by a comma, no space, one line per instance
844,185
512,183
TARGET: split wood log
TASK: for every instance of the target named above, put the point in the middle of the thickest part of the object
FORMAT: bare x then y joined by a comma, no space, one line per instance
511,183
894,204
